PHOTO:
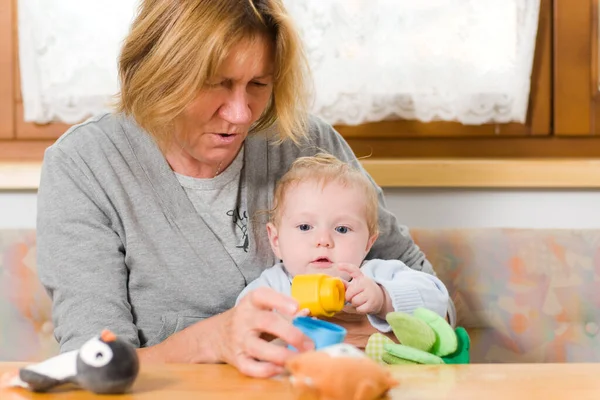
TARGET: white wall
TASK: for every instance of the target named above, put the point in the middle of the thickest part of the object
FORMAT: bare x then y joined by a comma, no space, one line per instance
442,208
18,209
427,208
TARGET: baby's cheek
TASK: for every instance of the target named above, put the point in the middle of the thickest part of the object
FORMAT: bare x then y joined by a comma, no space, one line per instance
296,269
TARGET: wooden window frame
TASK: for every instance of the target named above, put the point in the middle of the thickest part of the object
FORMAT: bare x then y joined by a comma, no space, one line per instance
6,71
412,154
576,102
538,118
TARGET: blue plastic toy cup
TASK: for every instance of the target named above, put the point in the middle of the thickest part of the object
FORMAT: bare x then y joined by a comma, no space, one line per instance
323,333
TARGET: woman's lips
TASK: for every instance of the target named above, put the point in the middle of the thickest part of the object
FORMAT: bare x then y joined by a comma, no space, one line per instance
224,138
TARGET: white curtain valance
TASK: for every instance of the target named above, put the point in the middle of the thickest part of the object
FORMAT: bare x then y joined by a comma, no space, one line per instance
461,60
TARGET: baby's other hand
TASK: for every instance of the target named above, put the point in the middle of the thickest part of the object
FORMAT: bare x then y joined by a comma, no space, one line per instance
362,292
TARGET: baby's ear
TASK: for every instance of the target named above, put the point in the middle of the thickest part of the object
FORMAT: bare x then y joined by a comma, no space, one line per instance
371,242
273,239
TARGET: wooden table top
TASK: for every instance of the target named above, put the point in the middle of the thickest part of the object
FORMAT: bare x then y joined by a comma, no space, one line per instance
475,381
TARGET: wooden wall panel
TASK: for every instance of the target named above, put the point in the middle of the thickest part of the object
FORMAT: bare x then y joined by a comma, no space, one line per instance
6,70
573,95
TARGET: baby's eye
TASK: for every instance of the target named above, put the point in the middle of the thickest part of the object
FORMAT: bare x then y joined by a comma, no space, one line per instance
304,227
342,229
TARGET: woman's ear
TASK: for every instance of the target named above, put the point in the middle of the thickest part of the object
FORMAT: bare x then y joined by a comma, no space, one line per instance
273,239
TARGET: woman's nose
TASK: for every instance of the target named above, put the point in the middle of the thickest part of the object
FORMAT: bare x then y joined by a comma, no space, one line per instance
236,109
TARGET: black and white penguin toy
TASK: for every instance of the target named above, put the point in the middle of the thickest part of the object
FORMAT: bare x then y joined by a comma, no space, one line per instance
105,364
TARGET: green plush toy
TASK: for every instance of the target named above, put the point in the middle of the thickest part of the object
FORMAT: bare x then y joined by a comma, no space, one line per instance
425,337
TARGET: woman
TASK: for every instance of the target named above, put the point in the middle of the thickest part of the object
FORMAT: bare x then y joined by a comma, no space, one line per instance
147,217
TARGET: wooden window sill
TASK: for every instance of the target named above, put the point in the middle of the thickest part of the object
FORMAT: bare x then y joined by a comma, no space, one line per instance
15,175
419,173
486,173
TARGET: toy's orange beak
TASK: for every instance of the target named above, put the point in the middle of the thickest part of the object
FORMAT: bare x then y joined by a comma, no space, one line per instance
107,336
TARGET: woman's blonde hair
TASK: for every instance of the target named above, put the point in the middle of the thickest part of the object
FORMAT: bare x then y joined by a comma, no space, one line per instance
175,47
325,168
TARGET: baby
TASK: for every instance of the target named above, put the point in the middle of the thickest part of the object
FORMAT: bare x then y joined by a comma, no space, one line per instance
325,220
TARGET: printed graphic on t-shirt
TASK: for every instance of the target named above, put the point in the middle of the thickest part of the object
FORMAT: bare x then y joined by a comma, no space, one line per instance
240,220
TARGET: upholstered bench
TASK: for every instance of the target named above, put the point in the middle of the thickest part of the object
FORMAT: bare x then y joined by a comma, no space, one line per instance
524,295
26,331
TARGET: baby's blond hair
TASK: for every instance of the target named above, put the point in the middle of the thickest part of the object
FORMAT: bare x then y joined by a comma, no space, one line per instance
325,168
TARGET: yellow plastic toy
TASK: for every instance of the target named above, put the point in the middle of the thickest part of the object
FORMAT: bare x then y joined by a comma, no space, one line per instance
322,294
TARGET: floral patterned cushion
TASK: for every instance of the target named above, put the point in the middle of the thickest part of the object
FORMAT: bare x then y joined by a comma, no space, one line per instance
26,332
525,295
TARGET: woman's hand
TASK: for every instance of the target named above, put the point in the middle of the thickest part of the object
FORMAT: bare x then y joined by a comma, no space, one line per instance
242,332
365,295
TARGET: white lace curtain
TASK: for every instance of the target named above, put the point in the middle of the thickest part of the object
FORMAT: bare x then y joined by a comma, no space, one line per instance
68,53
461,60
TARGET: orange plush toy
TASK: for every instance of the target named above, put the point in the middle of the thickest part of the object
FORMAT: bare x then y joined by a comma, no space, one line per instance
339,372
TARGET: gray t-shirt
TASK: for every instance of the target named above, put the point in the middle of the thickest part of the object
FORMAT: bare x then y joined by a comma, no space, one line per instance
221,203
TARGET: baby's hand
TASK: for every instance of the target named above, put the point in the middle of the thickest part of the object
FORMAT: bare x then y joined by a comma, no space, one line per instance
365,295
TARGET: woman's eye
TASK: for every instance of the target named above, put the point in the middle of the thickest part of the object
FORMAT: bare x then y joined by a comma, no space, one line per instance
304,227
259,84
216,84
342,229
